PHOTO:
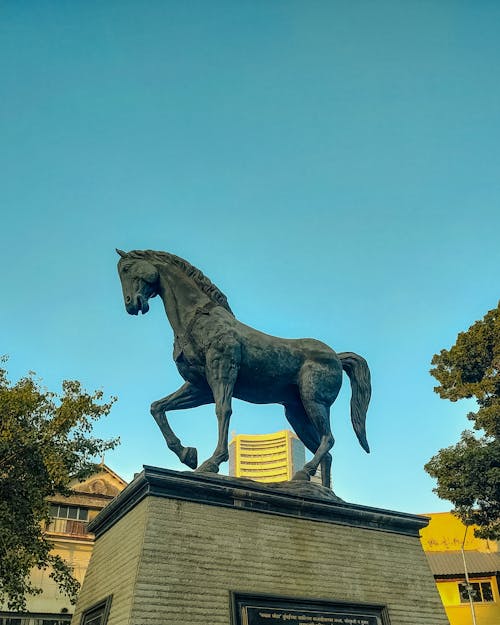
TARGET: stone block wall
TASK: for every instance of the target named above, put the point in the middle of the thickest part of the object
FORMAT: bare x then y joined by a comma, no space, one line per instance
169,560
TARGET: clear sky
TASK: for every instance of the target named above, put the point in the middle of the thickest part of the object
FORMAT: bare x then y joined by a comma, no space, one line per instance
332,166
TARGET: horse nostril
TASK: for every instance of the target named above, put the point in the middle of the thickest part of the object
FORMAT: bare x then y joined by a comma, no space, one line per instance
128,299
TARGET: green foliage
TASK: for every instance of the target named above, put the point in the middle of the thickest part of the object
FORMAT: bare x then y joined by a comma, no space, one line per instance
468,473
45,441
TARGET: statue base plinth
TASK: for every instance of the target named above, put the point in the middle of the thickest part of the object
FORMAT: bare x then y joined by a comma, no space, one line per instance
181,547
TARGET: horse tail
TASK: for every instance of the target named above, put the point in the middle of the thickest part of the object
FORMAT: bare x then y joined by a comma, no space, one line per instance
356,368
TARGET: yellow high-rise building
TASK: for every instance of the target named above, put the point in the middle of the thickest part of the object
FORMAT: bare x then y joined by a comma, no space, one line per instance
266,457
442,541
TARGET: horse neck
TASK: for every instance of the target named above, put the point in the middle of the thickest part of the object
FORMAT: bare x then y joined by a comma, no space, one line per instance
181,296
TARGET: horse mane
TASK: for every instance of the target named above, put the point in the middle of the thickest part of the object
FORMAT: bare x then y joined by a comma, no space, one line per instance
198,277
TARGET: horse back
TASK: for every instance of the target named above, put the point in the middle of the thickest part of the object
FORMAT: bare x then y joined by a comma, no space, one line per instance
270,366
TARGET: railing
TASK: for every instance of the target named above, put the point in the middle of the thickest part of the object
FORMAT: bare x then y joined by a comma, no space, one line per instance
60,619
68,526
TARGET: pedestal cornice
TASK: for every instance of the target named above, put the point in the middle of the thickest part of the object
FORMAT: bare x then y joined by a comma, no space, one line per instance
243,494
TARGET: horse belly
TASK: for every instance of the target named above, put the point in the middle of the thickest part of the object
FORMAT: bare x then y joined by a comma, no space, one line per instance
267,393
268,375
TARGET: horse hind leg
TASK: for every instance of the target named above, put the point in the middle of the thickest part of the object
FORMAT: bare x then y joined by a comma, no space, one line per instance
319,386
188,396
302,426
319,415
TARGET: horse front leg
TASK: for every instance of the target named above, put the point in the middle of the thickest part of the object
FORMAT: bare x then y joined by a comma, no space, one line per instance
222,367
188,396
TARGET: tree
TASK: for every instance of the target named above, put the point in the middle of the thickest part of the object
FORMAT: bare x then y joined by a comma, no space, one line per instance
45,441
468,473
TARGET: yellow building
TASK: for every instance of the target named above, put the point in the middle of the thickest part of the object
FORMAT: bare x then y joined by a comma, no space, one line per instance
443,540
70,517
266,457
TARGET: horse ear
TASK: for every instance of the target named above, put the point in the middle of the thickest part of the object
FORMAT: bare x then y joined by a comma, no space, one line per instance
121,253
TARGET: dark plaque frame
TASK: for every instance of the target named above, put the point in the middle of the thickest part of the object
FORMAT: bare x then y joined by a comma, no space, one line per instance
99,610
258,609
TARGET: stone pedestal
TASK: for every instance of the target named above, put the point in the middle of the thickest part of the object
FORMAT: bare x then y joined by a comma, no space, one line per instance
179,547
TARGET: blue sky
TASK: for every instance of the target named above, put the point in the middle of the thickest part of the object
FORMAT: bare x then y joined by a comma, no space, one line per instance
332,166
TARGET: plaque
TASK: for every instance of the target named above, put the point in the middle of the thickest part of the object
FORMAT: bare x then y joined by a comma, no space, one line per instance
272,610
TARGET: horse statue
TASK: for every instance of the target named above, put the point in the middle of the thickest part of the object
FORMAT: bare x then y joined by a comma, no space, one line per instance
220,358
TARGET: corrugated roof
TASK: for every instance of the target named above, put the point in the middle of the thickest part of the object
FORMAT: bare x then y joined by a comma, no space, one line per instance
451,562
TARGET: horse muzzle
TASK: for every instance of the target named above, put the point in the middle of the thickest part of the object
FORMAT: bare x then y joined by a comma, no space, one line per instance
139,303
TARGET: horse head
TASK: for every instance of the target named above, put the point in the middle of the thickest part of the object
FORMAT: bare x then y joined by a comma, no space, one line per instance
139,280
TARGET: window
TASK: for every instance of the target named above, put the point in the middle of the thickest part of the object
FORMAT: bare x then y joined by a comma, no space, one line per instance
98,613
68,512
68,520
481,592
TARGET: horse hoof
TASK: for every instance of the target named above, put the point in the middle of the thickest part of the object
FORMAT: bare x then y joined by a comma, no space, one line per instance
208,467
189,456
301,476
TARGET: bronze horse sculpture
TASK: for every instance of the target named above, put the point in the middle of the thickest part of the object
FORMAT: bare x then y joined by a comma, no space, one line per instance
220,358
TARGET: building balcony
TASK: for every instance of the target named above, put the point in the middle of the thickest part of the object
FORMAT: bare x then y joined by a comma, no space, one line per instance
69,527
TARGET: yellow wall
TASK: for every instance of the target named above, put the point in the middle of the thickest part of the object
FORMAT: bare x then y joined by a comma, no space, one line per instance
446,532
77,554
460,613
